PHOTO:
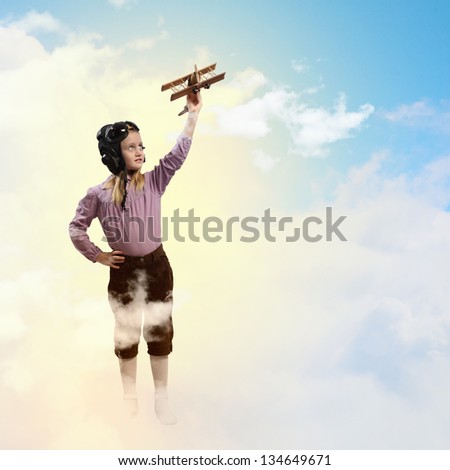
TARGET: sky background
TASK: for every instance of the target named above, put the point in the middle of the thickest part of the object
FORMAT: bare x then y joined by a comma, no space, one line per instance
278,345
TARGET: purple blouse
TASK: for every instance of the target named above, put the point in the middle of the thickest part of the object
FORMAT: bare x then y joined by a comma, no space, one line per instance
136,230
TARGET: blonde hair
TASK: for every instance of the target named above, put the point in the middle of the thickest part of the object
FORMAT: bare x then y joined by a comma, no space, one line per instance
116,184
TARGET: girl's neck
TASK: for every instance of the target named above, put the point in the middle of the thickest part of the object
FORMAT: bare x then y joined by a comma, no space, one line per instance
130,173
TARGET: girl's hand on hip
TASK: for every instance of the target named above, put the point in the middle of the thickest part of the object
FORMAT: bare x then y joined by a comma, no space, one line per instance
111,259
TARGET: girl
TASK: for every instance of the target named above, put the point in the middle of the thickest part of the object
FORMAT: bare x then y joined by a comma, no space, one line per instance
128,205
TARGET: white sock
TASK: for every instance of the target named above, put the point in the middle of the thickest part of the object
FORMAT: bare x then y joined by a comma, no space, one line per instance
162,409
130,404
160,366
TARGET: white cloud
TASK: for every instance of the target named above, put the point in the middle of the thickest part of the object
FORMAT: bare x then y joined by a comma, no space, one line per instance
263,160
37,22
249,80
312,129
434,181
248,120
410,112
201,56
12,326
423,114
119,4
26,48
300,66
146,43
404,220
234,90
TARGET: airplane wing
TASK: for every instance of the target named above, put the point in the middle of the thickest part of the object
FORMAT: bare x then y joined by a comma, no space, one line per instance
201,84
185,78
175,83
208,69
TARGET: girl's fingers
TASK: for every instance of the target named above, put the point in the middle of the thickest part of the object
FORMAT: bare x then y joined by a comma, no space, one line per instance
118,257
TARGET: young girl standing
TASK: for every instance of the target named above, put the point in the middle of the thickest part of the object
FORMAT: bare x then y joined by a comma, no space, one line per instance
128,206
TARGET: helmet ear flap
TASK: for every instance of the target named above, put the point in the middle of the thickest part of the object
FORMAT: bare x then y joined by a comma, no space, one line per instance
109,150
111,158
109,138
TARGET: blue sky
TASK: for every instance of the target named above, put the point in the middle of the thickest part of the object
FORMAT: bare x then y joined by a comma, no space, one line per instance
397,48
388,51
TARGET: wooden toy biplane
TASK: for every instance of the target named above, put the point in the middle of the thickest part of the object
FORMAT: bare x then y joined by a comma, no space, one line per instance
192,82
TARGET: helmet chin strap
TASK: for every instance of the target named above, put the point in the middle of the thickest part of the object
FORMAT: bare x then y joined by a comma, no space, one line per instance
125,181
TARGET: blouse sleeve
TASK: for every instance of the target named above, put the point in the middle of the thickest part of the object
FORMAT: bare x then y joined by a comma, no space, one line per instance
85,213
164,171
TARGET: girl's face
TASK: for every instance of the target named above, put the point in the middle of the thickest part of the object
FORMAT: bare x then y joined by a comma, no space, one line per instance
133,151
